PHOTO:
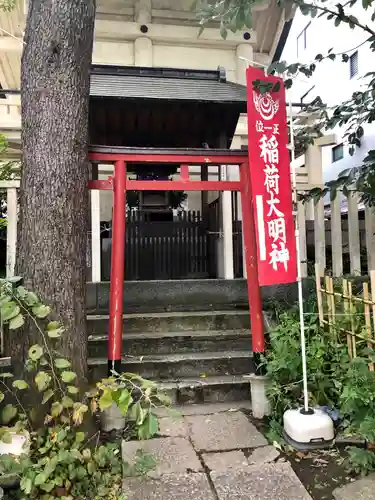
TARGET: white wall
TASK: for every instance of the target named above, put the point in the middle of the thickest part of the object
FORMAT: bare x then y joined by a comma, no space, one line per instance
331,79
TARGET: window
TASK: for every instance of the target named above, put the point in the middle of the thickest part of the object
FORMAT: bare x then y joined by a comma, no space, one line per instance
302,41
337,153
353,62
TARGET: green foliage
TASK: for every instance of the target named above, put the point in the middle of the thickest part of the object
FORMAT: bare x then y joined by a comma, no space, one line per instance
65,460
333,379
361,461
327,362
352,114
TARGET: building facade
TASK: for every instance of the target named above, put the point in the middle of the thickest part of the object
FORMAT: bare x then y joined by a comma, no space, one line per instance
334,81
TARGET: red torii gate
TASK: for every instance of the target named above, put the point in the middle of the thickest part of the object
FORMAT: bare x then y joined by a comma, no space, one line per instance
119,184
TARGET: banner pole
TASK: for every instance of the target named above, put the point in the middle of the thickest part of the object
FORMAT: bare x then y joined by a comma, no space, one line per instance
299,269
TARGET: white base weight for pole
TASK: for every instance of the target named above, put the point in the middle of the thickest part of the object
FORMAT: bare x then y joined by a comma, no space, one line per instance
308,430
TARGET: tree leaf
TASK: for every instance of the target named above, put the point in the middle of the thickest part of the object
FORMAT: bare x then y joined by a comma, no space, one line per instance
72,389
106,400
41,311
20,385
149,427
56,333
31,299
2,396
68,377
16,322
80,437
26,485
5,436
124,401
35,352
9,310
79,411
40,479
8,414
42,380
47,396
62,363
56,409
67,402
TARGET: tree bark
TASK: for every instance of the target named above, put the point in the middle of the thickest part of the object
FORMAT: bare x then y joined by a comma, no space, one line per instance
53,222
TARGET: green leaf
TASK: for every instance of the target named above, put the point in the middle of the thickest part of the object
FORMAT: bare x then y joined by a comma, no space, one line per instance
6,375
2,396
9,310
72,389
26,485
41,311
35,352
5,436
106,400
16,322
40,479
80,437
55,334
61,363
56,409
149,427
47,396
31,299
42,380
124,401
67,402
8,413
68,377
20,385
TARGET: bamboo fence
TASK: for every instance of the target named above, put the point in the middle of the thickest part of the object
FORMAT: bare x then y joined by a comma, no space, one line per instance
347,314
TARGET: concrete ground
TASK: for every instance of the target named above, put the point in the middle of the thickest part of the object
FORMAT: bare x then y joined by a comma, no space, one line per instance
211,452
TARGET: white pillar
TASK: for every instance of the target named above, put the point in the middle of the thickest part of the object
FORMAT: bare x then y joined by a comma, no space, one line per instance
96,272
143,54
143,11
226,217
11,230
244,50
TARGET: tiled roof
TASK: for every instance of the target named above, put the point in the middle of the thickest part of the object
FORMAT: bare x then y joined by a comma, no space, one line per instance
164,83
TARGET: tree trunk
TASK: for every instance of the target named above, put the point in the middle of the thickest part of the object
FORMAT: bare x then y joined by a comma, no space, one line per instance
53,223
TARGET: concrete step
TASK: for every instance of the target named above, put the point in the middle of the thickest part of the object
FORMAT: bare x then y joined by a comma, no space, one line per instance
174,322
178,366
219,389
216,389
140,344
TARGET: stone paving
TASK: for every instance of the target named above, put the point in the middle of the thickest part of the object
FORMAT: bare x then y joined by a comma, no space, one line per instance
362,489
208,455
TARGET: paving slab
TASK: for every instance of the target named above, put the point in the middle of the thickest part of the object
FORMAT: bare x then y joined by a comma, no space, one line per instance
263,455
223,431
221,462
172,455
362,489
268,482
168,487
173,427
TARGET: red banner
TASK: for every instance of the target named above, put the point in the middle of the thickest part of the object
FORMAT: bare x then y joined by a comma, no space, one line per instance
271,182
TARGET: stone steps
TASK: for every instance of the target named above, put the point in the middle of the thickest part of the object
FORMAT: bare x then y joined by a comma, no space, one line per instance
194,356
173,322
190,364
140,344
